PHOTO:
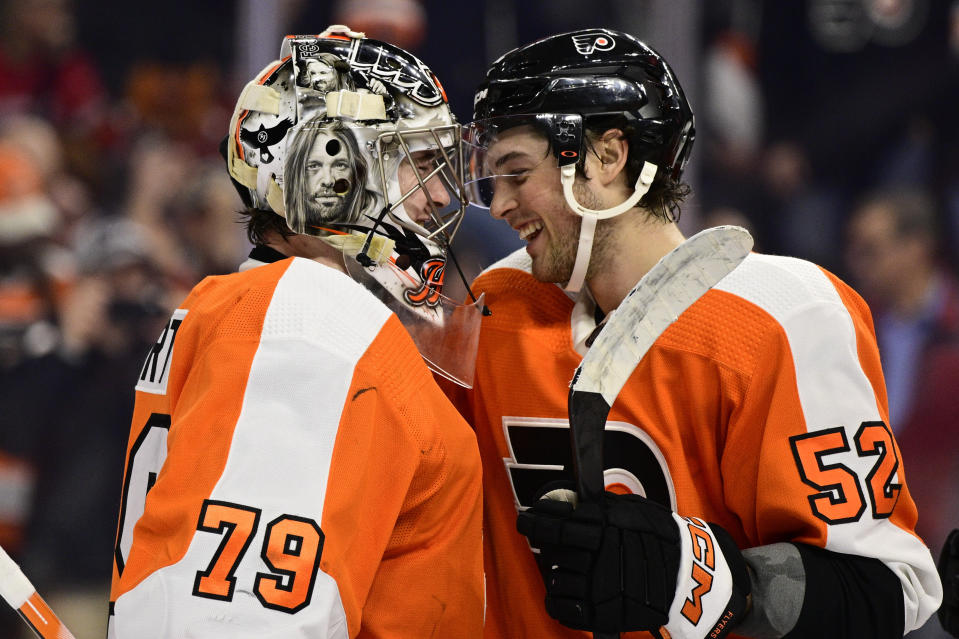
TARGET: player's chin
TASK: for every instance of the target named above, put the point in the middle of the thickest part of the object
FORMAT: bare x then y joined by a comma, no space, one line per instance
321,211
419,214
546,270
536,244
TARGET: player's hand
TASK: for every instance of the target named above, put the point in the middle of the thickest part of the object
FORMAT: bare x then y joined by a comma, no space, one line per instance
949,572
631,564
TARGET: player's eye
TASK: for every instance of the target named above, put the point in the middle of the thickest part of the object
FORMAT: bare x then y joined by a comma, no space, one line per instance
516,177
425,165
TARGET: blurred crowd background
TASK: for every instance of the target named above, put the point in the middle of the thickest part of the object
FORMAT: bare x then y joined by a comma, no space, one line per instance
826,127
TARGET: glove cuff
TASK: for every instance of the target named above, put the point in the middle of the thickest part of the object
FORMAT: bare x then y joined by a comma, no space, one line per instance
712,587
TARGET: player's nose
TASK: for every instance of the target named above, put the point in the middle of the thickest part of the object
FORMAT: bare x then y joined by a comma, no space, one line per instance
503,203
437,193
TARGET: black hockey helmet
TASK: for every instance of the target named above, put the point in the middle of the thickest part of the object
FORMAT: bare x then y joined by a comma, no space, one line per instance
589,77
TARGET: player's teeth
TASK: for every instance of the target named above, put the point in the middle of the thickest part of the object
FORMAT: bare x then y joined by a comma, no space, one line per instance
530,229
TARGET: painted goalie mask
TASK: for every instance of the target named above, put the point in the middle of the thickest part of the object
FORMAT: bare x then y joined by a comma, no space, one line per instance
352,140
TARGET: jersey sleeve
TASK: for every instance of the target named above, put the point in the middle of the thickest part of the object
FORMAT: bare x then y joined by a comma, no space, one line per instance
810,457
308,479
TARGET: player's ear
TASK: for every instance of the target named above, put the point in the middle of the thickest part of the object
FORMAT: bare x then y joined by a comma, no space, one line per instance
611,149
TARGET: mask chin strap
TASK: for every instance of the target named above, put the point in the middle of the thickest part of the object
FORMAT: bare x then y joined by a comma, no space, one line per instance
591,216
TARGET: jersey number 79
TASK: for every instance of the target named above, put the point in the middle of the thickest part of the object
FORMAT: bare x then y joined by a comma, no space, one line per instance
292,545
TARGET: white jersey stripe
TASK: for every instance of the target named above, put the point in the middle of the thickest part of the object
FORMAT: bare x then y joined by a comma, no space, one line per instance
279,462
808,307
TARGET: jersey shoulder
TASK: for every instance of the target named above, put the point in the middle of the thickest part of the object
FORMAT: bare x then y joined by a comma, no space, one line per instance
517,299
767,302
295,298
518,260
786,287
287,303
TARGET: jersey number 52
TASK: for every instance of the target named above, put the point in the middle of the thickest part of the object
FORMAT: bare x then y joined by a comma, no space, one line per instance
840,498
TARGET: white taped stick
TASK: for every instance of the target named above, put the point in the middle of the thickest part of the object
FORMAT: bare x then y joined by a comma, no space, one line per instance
14,585
680,278
20,595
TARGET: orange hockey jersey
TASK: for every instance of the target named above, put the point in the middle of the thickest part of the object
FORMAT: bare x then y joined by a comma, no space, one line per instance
761,408
294,471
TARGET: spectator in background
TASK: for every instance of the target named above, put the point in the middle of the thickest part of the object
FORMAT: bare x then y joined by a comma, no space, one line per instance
184,103
155,163
731,122
402,22
43,71
212,242
728,215
41,67
30,280
66,412
187,236
802,213
892,254
26,300
36,137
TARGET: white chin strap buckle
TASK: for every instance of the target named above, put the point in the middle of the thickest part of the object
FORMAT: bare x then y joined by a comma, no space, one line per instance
591,216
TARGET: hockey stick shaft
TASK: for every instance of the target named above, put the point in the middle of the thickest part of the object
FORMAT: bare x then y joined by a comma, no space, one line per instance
20,594
587,443
675,283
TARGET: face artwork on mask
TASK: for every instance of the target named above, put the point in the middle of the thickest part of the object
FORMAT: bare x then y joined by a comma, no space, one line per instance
326,175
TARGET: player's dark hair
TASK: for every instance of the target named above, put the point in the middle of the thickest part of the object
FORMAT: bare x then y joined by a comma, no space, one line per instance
665,195
261,224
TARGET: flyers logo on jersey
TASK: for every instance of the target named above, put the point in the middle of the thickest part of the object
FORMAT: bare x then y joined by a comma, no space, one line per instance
586,43
429,291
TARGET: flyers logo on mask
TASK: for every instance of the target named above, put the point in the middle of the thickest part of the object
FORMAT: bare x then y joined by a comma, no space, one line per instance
586,43
429,291
415,81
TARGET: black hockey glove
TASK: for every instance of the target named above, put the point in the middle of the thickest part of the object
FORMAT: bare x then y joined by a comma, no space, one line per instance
949,573
631,564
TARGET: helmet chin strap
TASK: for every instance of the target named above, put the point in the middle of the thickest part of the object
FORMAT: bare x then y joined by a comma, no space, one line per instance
591,216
